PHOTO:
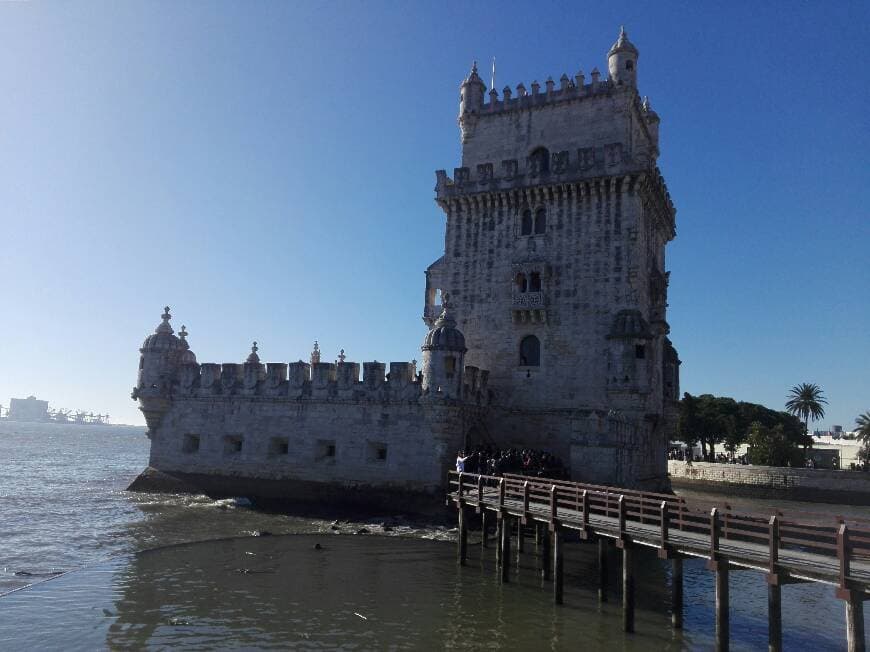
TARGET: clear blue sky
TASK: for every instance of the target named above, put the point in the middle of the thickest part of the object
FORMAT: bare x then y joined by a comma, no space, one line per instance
267,169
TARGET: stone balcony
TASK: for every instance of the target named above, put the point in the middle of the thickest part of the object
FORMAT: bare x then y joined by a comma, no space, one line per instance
529,307
528,300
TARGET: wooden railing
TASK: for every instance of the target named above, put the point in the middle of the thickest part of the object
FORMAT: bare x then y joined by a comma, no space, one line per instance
840,538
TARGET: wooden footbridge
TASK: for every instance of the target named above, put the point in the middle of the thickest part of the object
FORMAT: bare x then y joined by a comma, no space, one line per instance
787,549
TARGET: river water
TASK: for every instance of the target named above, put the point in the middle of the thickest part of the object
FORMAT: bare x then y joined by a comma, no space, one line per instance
87,565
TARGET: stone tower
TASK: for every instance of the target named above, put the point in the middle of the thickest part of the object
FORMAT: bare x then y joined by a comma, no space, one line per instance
557,221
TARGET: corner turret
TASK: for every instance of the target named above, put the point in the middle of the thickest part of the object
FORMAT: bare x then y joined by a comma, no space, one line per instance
622,61
471,93
159,359
443,357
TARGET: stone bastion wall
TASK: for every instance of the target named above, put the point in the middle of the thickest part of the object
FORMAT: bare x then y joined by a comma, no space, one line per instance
816,485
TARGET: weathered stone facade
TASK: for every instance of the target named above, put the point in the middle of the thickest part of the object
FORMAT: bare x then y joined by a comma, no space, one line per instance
557,223
554,263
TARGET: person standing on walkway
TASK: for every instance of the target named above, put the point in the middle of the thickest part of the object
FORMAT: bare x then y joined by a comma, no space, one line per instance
460,462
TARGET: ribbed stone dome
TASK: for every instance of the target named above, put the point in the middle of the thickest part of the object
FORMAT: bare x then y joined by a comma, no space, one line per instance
630,324
164,338
622,44
444,335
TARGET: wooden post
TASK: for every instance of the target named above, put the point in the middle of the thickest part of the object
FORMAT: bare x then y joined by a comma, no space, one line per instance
714,534
774,615
463,533
558,565
774,590
499,526
720,567
602,569
677,592
554,505
480,493
585,504
854,602
525,501
520,542
627,588
537,535
666,524
621,515
721,606
483,536
506,548
545,552
855,624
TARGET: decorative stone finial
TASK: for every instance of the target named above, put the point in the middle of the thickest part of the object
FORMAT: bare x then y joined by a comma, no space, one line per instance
646,106
183,335
164,326
622,43
254,358
341,357
315,354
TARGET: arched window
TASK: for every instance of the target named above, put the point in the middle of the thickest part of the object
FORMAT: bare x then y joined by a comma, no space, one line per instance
629,65
530,351
526,227
540,160
540,221
535,282
522,283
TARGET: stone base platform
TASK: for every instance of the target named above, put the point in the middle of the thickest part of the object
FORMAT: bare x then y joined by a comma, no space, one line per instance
297,496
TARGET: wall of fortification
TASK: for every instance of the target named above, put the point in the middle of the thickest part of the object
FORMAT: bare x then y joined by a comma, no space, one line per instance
595,258
598,447
392,445
763,481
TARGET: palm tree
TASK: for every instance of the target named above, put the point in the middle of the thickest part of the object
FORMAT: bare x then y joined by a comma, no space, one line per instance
805,401
863,423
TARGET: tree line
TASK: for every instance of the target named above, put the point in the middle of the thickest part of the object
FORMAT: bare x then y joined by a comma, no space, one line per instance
774,438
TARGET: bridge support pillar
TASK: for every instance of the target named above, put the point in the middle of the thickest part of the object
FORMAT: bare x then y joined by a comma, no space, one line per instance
520,542
483,541
505,548
627,587
774,614
558,564
677,592
722,626
499,525
855,623
602,569
545,552
463,534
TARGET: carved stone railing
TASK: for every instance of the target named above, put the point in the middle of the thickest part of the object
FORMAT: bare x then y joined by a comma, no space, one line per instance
529,300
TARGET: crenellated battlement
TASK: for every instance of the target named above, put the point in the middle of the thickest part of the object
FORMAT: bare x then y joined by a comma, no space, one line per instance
332,381
570,90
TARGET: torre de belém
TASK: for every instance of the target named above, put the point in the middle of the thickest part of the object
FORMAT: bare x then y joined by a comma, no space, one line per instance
546,317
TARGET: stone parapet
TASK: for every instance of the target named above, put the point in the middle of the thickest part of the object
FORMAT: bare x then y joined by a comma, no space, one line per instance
823,485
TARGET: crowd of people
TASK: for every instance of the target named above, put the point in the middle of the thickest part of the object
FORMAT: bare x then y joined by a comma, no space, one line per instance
720,458
488,460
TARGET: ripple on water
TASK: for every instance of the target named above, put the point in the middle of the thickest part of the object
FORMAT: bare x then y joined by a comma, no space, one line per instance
362,592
